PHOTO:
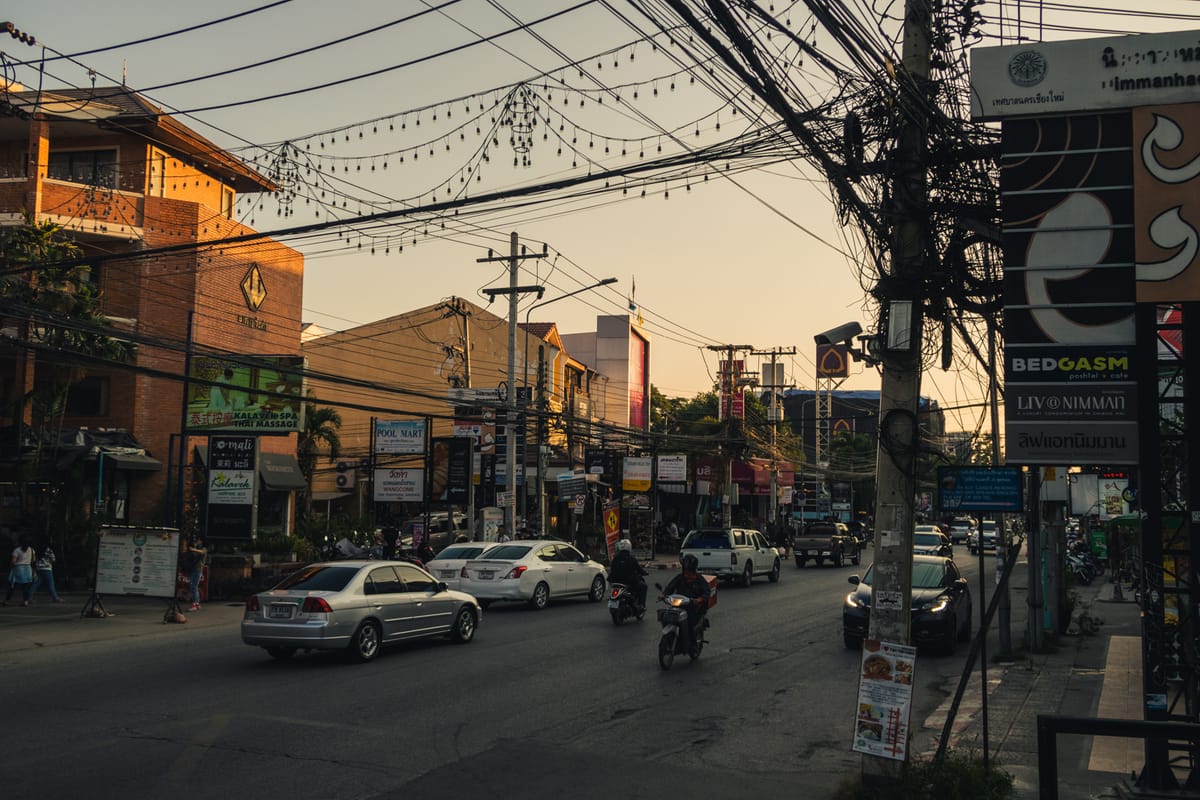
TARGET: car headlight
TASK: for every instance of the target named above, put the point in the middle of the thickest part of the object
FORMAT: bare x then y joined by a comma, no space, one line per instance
852,601
937,605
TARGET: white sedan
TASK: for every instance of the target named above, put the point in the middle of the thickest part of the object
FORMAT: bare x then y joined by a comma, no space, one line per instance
449,563
533,571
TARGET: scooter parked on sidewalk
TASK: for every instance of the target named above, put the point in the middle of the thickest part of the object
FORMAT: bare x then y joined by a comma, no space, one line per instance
675,619
623,604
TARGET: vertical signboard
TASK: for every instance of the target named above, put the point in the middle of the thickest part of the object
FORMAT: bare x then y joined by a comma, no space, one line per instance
639,394
885,688
1069,290
451,464
231,485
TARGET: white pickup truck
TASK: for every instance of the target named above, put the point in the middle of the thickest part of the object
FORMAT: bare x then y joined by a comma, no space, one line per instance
732,554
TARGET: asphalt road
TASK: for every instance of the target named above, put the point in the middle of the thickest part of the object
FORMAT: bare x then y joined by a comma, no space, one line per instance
552,703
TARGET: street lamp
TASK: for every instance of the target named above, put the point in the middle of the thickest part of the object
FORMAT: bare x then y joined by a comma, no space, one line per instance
525,382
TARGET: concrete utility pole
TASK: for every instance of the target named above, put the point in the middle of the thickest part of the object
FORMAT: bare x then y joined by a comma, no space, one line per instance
514,259
774,385
901,297
728,386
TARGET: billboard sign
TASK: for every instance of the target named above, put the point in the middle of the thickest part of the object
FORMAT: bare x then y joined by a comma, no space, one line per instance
400,436
637,473
252,394
399,485
672,468
1113,72
232,462
991,489
137,561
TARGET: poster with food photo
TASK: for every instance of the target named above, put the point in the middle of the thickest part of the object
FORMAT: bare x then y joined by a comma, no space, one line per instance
884,699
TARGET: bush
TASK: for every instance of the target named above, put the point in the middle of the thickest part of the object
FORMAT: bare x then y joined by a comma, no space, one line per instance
954,777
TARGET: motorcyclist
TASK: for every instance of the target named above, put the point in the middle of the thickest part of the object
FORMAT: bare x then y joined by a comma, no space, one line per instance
626,570
690,584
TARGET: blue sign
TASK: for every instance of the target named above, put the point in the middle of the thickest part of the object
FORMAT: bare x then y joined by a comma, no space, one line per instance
962,489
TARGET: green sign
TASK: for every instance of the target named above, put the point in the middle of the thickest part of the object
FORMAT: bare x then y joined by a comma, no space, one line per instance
254,394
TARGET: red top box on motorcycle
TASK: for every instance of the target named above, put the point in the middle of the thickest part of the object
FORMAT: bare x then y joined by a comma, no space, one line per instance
712,589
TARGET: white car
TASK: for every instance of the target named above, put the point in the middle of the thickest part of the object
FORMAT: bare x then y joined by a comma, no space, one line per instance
449,562
533,570
734,554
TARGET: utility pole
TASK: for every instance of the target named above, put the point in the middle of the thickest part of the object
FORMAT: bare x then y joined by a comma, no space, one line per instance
514,259
728,380
901,299
773,387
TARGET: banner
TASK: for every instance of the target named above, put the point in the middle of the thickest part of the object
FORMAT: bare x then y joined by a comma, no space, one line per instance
884,699
255,394
612,526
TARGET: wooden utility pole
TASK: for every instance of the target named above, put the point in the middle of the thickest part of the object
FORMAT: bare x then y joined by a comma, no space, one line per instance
901,297
514,259
728,386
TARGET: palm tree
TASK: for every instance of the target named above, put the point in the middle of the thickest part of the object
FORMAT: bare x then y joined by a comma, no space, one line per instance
321,427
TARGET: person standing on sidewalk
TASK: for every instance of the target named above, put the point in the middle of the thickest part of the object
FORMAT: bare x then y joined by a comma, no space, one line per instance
44,567
196,554
21,571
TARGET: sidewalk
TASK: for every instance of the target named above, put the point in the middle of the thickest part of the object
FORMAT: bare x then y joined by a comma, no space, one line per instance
1086,675
47,624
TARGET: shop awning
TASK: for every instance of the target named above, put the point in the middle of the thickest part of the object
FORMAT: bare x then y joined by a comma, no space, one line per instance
280,472
132,461
322,497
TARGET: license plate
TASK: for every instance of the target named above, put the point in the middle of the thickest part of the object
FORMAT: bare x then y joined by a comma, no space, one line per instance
614,604
281,612
448,573
486,575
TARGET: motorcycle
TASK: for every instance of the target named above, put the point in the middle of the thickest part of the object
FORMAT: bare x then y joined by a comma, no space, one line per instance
673,618
623,604
1080,569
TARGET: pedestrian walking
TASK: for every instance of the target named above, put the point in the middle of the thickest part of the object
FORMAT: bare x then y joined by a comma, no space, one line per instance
20,571
195,554
44,567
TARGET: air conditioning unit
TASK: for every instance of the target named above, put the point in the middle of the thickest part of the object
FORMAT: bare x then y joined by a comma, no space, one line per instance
345,474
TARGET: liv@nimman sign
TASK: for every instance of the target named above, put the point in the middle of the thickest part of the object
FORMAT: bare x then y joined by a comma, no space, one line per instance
992,489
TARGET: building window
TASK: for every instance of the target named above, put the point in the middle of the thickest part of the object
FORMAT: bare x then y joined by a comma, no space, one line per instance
88,398
158,174
92,167
227,198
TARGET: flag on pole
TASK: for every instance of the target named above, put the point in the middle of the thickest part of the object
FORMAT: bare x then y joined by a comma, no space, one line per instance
633,296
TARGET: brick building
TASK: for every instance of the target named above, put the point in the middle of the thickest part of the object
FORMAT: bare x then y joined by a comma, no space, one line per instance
143,195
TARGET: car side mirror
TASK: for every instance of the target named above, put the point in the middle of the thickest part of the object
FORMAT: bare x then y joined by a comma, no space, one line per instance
853,580
961,583
441,587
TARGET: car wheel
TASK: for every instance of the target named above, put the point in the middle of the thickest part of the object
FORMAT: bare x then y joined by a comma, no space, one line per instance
281,653
364,645
541,596
597,590
464,626
773,575
747,575
799,562
666,650
851,642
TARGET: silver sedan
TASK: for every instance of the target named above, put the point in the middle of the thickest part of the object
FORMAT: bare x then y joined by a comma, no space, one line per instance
356,606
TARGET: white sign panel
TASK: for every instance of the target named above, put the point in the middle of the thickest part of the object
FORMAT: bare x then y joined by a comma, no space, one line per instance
137,561
230,487
1085,74
884,699
399,485
672,468
400,436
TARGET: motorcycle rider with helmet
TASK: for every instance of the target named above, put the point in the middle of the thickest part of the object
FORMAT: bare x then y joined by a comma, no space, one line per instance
690,584
626,570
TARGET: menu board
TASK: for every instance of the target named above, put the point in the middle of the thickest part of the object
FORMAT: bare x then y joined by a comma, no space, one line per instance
137,561
884,699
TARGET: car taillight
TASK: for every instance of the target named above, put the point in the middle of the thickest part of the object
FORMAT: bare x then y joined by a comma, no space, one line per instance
252,603
733,558
515,572
462,573
615,594
316,605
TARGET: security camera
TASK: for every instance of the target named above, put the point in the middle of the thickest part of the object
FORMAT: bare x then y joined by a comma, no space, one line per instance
842,333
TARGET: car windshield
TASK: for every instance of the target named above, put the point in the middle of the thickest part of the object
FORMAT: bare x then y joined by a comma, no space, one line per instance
707,540
927,539
462,551
924,576
987,526
319,579
509,552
